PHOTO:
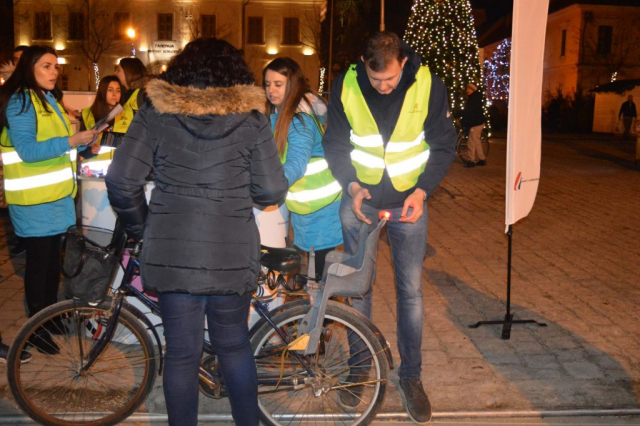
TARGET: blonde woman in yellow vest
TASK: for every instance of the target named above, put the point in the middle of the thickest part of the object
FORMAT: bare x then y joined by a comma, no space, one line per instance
297,115
109,94
38,156
134,77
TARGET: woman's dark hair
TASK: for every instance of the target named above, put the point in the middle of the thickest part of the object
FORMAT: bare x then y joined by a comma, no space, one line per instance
295,93
134,72
100,108
23,80
208,62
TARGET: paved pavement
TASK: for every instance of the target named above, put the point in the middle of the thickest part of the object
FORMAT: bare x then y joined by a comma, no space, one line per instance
576,267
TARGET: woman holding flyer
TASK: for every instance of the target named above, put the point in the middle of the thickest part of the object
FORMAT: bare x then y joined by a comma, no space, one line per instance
38,153
109,95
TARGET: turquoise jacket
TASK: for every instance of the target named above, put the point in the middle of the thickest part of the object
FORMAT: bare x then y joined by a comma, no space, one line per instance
321,229
40,220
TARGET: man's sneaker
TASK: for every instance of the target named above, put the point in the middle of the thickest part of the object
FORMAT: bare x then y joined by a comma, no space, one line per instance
4,351
43,342
20,247
416,400
351,396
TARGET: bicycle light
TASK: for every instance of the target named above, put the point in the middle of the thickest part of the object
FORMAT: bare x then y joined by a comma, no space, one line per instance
386,215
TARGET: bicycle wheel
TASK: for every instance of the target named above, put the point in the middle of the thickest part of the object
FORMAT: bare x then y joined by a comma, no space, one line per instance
287,394
461,145
52,388
484,140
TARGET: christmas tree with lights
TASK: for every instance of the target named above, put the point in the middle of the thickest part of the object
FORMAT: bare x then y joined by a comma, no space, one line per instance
442,33
496,72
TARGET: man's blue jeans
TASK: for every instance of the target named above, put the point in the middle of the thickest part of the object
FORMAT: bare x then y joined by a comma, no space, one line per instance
183,320
408,249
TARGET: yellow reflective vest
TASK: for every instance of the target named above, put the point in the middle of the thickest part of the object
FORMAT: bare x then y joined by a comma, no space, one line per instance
317,188
123,120
45,181
405,155
102,160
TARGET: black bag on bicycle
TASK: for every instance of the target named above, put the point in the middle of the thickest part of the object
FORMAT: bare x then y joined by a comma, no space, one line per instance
90,259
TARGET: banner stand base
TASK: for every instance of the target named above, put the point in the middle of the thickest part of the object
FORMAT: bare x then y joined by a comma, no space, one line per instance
506,324
508,318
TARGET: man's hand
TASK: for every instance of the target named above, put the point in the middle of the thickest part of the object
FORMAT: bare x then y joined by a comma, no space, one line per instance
359,193
415,201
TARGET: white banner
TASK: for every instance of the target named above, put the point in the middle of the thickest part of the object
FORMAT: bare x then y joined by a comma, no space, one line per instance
525,107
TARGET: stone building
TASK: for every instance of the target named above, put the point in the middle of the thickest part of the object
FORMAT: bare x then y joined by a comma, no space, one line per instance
155,30
588,43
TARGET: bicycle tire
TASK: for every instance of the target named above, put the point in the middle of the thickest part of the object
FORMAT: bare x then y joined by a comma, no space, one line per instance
51,388
484,140
293,400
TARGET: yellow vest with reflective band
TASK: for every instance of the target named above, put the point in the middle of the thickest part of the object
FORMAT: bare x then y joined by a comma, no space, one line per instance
407,152
103,158
317,188
123,120
45,181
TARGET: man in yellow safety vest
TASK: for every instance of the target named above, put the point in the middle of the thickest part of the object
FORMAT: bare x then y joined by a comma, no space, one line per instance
389,143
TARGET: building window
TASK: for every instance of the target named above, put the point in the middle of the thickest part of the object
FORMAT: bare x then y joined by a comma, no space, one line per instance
605,36
291,31
563,45
120,23
256,34
165,26
208,25
42,26
76,26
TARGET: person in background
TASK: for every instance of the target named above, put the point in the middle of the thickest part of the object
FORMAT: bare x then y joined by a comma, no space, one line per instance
473,121
5,72
389,142
134,77
4,352
38,143
7,68
206,137
297,118
108,96
627,114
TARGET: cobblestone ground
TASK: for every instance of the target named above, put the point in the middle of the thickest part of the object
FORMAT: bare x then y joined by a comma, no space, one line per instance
576,267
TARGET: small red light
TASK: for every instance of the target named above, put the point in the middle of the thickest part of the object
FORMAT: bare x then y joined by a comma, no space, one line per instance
384,215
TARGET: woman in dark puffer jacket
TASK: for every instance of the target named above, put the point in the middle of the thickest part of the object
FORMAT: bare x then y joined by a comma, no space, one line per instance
210,147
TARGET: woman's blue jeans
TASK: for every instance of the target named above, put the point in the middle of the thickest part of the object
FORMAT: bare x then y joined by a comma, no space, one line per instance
183,320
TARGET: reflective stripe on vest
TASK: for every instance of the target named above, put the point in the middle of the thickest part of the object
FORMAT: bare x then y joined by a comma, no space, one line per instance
407,152
317,188
41,181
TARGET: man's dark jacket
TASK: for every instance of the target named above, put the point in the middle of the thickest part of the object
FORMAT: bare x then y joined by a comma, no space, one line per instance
213,156
439,133
473,115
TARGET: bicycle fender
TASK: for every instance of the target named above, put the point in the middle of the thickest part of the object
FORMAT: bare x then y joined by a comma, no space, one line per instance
367,321
142,317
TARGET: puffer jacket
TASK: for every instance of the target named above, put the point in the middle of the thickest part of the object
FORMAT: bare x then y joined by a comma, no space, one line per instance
212,156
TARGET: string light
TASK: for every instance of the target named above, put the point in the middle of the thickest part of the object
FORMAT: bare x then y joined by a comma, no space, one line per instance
321,87
496,72
442,32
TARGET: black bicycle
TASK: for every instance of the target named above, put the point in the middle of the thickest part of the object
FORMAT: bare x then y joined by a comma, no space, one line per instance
318,360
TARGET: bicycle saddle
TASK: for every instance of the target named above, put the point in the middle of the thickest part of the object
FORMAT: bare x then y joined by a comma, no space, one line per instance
280,259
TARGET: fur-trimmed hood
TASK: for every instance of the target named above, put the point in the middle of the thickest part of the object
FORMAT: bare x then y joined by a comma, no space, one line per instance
171,99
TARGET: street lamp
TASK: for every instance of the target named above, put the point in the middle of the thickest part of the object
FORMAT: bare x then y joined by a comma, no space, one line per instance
131,33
